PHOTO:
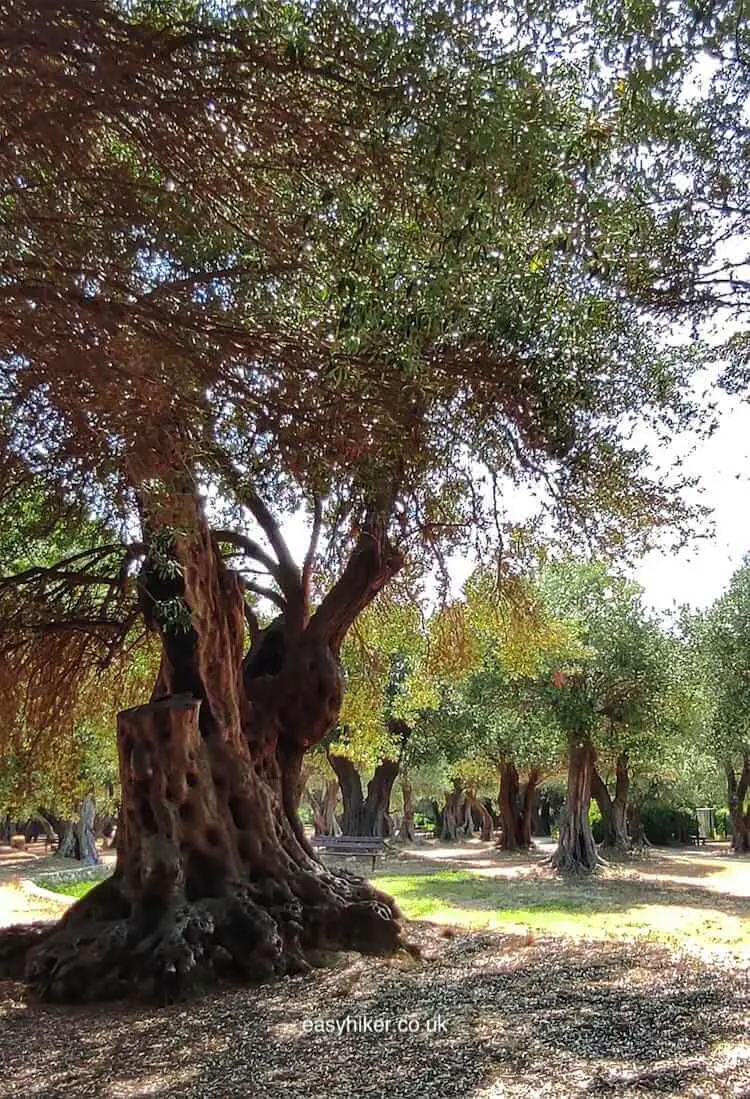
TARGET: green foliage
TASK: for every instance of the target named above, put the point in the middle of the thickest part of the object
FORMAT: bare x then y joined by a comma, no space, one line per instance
665,824
722,641
408,255
723,821
595,820
611,686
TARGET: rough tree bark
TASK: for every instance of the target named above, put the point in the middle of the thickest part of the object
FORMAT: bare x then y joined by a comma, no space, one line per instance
85,832
407,831
369,816
214,876
739,812
614,811
453,819
365,816
474,807
58,825
70,844
541,821
576,851
516,807
324,809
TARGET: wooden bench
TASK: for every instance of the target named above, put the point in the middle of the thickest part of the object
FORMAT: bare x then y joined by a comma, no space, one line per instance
351,846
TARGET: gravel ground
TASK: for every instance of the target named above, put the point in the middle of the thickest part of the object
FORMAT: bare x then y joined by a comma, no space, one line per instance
510,1016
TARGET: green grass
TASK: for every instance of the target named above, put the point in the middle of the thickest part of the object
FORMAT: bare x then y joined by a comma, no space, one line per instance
592,908
70,888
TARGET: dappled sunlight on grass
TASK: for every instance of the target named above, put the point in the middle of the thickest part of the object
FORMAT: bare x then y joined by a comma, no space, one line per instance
71,888
593,908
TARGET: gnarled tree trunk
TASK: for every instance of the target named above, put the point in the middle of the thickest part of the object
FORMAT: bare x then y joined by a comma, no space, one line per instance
85,830
576,850
365,816
453,821
377,821
476,809
516,807
214,875
369,816
541,820
350,783
528,805
70,844
324,809
614,810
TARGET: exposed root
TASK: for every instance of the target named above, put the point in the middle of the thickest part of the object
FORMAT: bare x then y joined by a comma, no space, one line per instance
566,864
106,948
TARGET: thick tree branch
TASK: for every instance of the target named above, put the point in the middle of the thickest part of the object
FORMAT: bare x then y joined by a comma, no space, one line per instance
251,549
372,563
286,574
265,593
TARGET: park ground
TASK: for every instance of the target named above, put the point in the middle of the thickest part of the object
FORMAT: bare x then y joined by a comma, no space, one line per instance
635,982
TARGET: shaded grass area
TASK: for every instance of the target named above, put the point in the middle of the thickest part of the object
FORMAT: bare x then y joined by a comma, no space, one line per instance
596,907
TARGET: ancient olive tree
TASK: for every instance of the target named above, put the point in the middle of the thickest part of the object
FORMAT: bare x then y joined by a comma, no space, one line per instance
605,697
292,257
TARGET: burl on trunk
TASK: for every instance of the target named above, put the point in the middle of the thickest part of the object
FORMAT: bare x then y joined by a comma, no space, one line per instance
214,875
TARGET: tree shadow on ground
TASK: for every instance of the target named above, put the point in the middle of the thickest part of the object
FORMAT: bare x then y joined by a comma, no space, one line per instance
589,896
548,1017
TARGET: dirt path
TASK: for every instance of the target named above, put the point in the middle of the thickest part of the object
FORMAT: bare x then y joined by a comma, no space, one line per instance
21,904
713,868
480,1016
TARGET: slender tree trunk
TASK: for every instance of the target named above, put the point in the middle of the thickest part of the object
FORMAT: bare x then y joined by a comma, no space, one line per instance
622,790
576,851
407,832
739,812
85,832
58,825
614,810
528,805
214,876
49,832
541,824
508,800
